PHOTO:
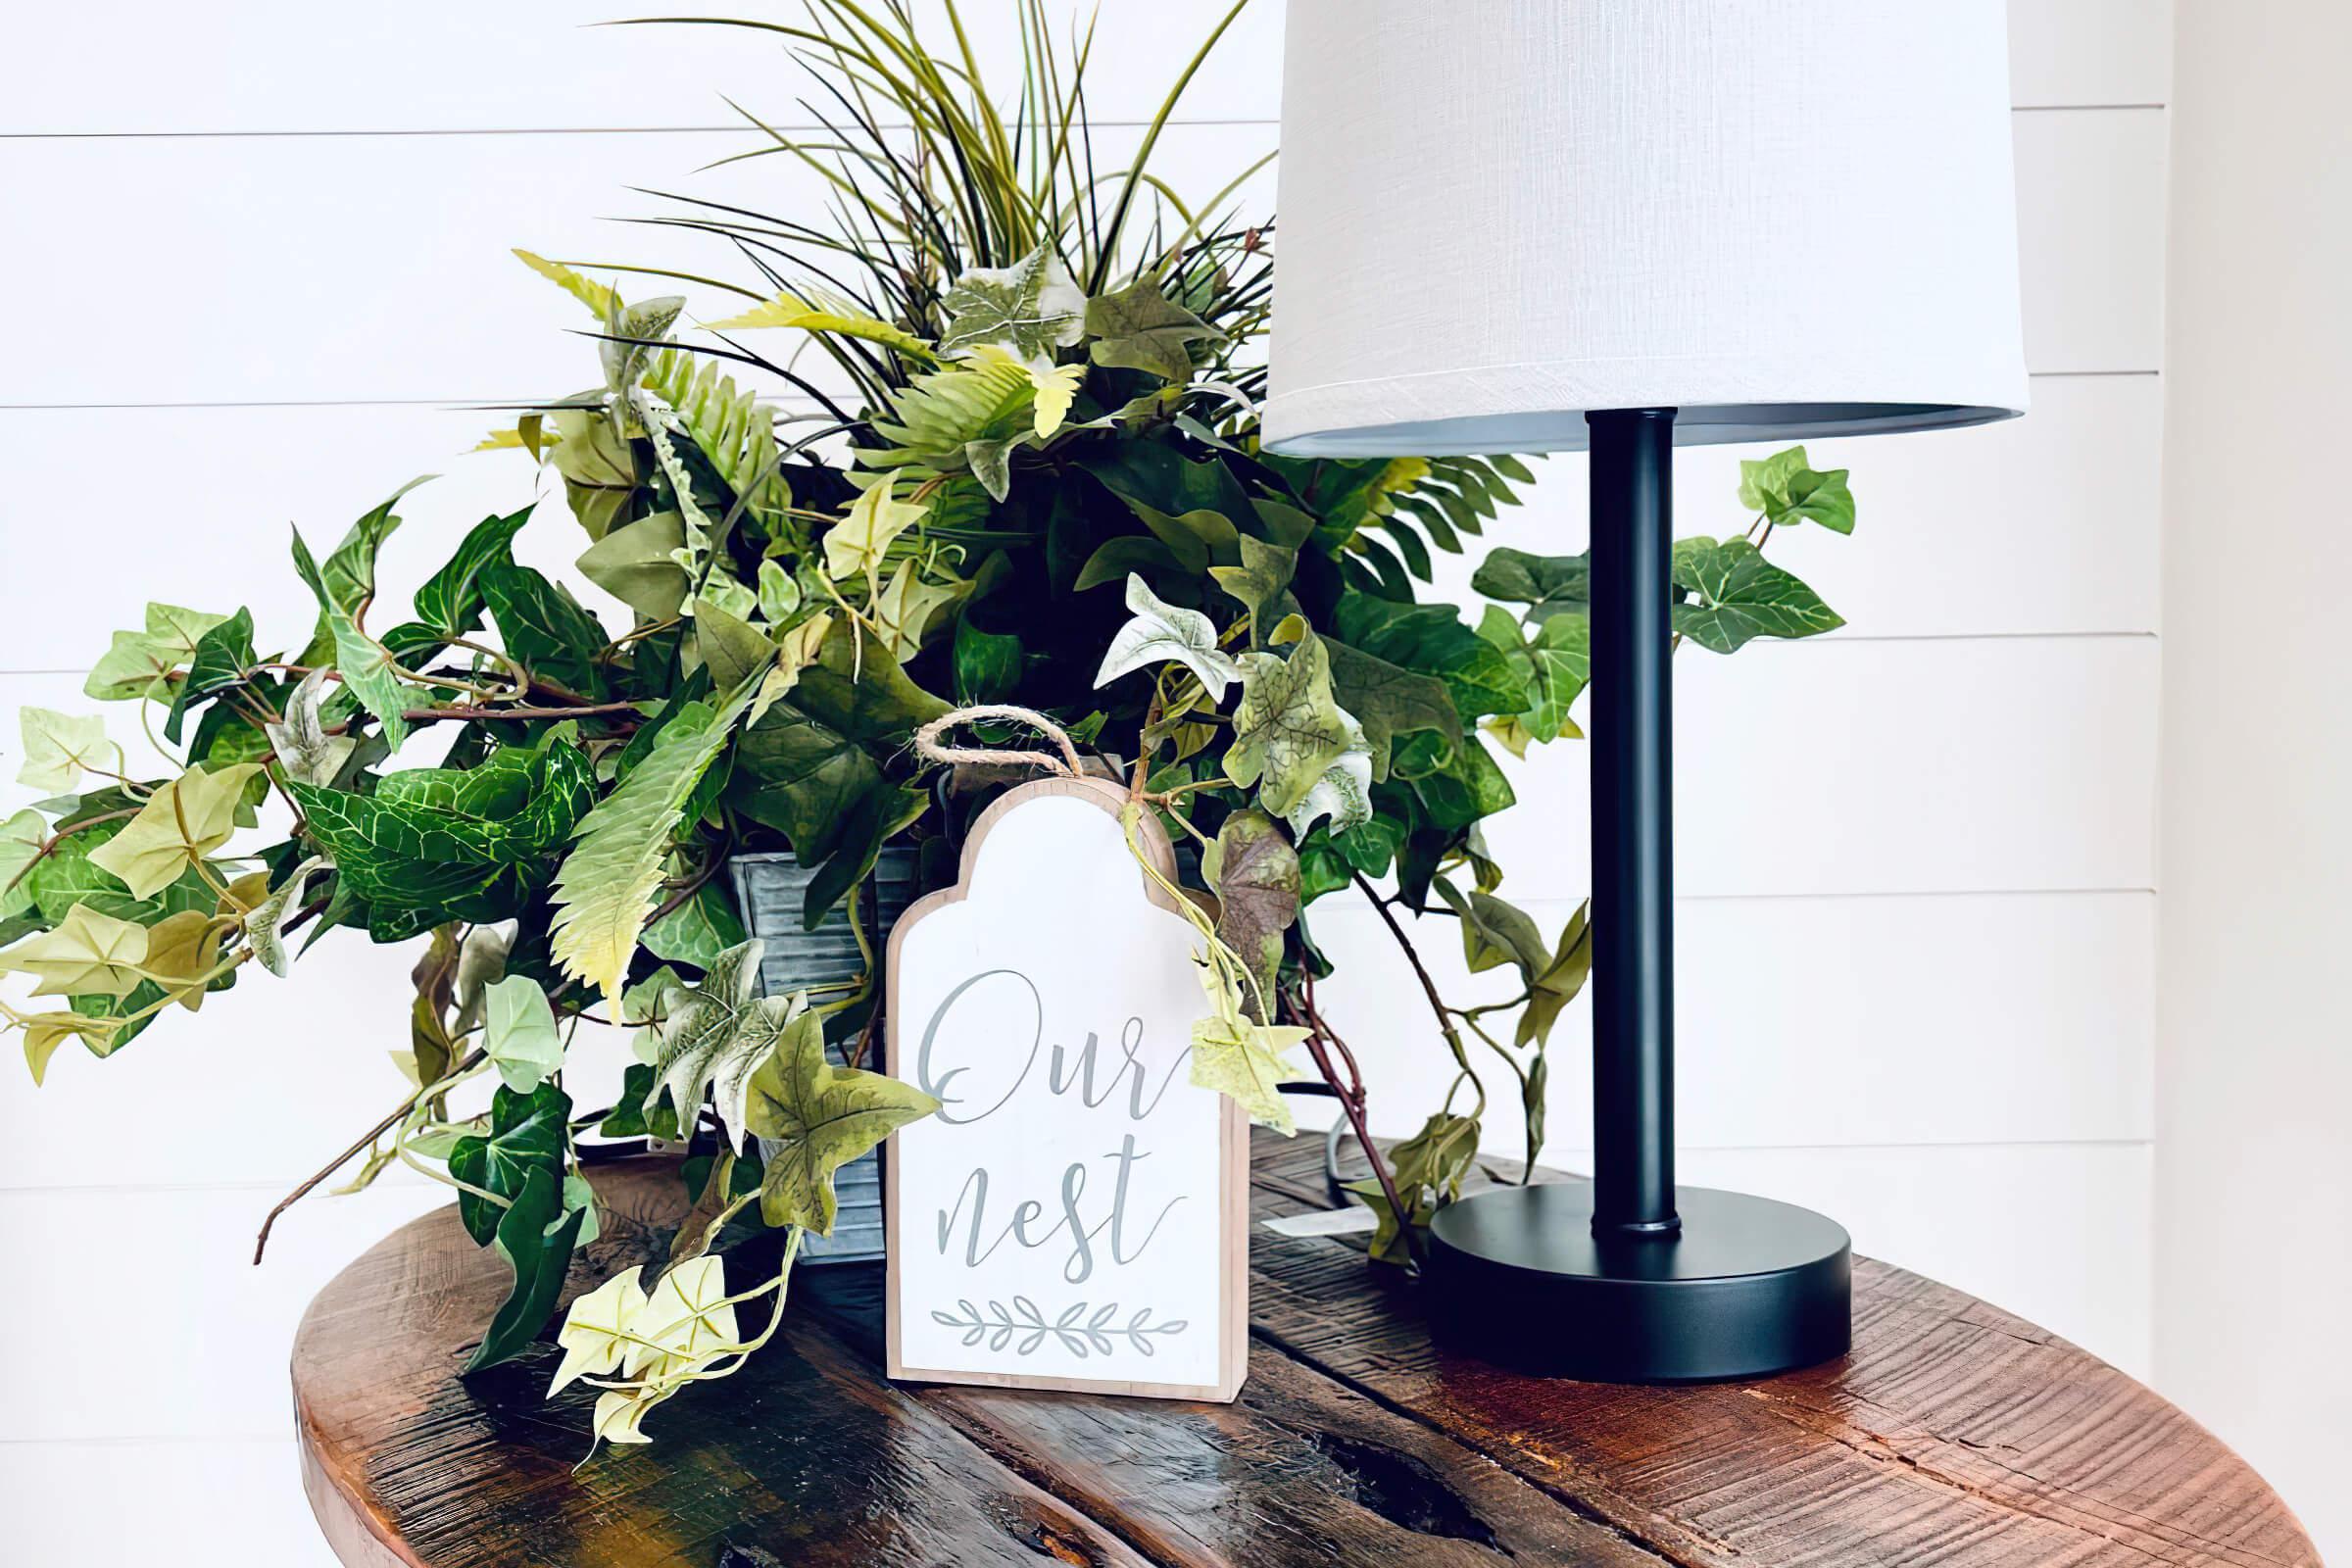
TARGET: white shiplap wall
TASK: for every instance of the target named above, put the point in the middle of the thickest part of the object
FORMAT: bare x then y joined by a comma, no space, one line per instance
1915,857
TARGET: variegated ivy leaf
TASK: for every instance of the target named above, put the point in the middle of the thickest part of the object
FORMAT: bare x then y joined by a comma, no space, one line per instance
823,313
853,546
59,745
1345,791
696,1044
304,748
820,1117
598,1331
687,1322
1287,732
906,607
520,1033
608,883
1240,1058
1737,596
88,954
1163,632
44,1032
183,821
182,949
264,927
1139,330
139,664
1032,308
20,839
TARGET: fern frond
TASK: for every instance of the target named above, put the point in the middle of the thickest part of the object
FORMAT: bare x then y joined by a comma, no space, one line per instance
823,315
607,882
736,432
938,416
587,290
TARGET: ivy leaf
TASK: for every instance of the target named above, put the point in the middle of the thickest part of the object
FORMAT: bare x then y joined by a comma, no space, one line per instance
1257,897
451,602
1032,308
535,1236
696,1045
59,745
637,564
1258,581
527,1139
687,1319
1287,732
856,688
518,1033
987,664
1242,1060
1737,596
222,657
732,648
1787,491
1388,701
1552,991
1495,933
854,545
1136,329
181,822
264,927
628,1117
1343,792
20,839
607,884
1548,585
1431,640
698,930
305,749
820,1117
140,664
906,607
89,954
364,664
451,843
543,626
600,1328
598,467
1160,633
44,1032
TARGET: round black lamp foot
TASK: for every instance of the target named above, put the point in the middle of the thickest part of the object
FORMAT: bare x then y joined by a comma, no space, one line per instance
1747,1287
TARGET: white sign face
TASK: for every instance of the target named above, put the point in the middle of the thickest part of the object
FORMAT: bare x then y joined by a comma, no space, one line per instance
1075,1214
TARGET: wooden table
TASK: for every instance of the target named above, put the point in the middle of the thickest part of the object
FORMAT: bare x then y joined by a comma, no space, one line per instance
1955,1435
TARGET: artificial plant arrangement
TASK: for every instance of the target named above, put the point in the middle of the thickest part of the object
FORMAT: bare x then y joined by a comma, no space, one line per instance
1009,456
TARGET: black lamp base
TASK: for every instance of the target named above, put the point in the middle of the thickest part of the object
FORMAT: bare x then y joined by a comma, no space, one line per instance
1746,1288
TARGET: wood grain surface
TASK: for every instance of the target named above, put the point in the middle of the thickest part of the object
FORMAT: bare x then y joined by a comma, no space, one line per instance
1954,1434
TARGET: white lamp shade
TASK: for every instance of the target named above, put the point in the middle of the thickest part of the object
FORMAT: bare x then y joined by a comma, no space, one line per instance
1783,217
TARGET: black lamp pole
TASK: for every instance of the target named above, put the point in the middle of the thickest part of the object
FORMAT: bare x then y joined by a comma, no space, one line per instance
1628,1278
1631,735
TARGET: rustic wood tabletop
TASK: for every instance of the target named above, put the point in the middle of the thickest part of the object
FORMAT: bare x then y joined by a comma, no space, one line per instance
1954,1434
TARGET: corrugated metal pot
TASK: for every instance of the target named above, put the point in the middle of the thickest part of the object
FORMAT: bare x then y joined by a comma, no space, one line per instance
768,890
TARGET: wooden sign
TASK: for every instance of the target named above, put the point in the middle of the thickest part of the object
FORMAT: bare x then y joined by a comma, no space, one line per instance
1075,1216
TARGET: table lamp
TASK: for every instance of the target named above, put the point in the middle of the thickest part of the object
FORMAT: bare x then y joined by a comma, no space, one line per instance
1543,225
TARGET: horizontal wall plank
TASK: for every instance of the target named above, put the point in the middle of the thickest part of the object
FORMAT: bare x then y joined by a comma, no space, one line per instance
195,1336
2004,1018
277,66
190,1502
374,268
2044,524
2093,243
1929,766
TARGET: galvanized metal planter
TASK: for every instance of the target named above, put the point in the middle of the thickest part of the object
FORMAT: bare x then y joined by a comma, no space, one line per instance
768,889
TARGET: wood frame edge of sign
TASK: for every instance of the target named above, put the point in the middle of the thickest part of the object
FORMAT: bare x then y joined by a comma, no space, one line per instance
1232,1138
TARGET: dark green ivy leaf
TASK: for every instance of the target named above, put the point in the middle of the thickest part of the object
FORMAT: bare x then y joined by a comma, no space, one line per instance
1548,585
535,1236
222,657
451,602
543,626
526,1138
